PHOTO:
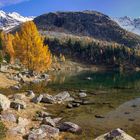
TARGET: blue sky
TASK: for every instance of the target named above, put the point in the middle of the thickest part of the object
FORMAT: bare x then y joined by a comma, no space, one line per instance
114,8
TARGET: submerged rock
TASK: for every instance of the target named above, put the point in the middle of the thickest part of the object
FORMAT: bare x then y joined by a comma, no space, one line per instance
99,116
117,134
70,127
4,102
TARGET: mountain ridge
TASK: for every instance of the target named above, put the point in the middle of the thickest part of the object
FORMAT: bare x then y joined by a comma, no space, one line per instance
87,23
129,23
10,20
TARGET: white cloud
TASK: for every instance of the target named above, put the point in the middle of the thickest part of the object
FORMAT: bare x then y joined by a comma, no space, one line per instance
9,2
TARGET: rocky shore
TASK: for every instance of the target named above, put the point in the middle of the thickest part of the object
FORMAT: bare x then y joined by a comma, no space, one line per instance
26,115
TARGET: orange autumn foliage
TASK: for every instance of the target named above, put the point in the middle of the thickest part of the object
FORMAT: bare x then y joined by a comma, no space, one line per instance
30,49
7,45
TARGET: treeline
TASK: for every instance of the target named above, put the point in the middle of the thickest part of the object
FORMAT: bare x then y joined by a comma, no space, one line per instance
92,51
26,46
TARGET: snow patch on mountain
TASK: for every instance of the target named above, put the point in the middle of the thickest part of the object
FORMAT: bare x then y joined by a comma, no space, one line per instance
130,24
11,20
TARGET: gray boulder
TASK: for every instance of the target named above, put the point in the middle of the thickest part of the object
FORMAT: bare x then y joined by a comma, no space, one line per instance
70,127
4,102
37,134
52,132
7,116
45,132
117,134
18,130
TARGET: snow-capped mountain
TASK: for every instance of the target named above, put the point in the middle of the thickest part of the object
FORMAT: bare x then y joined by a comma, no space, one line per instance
10,20
130,24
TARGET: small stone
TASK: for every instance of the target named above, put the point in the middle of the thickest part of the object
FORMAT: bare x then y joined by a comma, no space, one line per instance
30,93
37,99
134,106
116,134
99,116
69,105
16,87
48,99
43,114
63,96
18,96
82,95
57,120
70,127
48,121
16,103
4,102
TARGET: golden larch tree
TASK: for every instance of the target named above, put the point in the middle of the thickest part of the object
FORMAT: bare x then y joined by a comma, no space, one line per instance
30,49
7,45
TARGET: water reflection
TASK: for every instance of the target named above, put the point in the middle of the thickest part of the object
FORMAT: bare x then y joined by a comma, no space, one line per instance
98,80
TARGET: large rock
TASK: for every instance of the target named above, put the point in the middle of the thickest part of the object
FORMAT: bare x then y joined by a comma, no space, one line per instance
37,134
117,134
45,132
4,102
51,131
70,127
16,104
7,116
18,130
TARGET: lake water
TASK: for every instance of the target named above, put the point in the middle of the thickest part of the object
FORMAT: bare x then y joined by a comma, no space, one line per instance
116,96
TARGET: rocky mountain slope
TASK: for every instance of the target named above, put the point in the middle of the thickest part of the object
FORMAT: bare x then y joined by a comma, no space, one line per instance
87,23
130,24
11,20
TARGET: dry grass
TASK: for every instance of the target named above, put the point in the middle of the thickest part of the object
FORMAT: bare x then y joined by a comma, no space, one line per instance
5,82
